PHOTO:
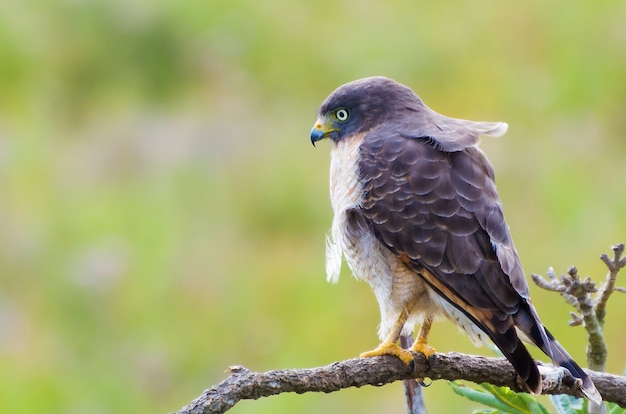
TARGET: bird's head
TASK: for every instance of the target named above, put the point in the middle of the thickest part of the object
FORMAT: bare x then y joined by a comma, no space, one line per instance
359,106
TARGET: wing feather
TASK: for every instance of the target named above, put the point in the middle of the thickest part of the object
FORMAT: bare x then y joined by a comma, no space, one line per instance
442,210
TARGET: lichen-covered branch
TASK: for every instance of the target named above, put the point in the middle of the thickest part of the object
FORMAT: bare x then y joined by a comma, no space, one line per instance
591,310
604,292
243,384
596,345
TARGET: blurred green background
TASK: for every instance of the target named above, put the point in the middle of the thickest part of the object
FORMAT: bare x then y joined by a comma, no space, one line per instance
162,211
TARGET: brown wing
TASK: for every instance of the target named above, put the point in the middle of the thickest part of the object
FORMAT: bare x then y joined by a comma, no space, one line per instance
442,210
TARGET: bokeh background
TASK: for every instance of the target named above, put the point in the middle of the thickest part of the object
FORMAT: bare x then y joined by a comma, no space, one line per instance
163,213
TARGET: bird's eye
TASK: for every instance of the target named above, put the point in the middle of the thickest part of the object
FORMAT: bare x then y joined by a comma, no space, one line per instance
342,114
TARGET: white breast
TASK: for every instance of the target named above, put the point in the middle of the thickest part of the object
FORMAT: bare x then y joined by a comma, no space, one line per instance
366,257
345,194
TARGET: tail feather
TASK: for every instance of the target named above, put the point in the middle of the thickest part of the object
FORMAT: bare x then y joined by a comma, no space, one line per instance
503,329
561,358
517,354
530,326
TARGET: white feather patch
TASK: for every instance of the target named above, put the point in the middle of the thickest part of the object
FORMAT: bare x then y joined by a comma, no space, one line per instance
333,259
345,194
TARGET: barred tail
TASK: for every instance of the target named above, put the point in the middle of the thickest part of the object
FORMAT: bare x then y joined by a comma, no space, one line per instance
529,324
514,350
561,358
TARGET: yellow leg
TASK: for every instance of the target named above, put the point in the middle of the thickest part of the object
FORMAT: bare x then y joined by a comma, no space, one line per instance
389,345
421,343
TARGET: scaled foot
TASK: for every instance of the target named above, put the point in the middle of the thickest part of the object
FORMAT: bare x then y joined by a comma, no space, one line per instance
390,349
423,348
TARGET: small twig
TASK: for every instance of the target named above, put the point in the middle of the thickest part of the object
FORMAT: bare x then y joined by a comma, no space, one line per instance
576,319
580,291
608,286
555,285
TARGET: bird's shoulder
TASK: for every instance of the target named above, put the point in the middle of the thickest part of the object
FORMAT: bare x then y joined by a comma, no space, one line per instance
439,207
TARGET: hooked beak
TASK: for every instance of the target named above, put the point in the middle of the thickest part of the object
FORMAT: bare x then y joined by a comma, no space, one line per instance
320,131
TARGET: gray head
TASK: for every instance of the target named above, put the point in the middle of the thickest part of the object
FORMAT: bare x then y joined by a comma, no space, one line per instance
361,105
365,104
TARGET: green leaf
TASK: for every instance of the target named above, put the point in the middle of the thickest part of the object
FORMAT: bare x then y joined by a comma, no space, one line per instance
516,401
612,408
501,398
481,397
566,404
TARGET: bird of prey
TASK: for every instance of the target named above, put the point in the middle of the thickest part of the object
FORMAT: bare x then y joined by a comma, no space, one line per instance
418,217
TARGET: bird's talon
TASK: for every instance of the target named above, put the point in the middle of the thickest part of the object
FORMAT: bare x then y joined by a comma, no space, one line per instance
390,349
421,382
423,348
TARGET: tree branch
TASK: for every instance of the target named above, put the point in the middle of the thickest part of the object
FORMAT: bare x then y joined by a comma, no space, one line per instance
243,384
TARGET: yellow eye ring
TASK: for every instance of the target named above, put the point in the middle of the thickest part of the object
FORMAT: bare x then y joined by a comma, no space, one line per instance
342,114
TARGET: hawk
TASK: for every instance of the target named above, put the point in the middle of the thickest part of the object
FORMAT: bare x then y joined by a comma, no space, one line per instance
418,217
